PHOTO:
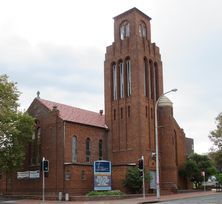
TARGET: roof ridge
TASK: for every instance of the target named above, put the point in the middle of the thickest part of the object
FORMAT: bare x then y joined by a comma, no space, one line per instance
67,105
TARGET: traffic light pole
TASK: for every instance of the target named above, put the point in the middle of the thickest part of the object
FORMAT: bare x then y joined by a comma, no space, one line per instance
143,179
43,181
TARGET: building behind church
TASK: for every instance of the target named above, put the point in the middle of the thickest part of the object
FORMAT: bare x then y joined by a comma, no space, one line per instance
72,138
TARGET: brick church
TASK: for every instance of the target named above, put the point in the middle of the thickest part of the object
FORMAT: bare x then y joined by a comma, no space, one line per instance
72,138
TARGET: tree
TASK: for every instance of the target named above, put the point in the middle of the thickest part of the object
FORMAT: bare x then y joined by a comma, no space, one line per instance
193,167
216,157
134,180
16,127
216,135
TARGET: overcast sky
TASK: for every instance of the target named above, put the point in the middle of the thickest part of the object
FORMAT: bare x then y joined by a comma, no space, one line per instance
58,48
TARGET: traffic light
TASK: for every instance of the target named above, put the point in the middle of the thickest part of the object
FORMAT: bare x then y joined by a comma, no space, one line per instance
46,165
140,164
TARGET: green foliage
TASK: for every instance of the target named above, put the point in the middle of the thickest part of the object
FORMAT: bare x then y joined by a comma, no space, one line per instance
219,178
16,127
134,180
216,157
105,193
216,135
193,167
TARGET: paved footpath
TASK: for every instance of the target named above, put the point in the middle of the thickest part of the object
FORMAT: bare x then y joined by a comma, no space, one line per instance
148,199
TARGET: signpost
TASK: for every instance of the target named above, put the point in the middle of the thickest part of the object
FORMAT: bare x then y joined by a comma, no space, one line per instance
102,175
203,174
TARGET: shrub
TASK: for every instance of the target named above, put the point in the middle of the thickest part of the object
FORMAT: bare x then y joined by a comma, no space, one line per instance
105,193
134,181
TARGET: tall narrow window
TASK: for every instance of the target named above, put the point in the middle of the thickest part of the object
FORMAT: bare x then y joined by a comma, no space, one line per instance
74,149
121,113
114,114
121,75
156,80
128,111
175,145
38,145
145,78
142,30
88,153
152,89
100,149
114,82
128,77
124,30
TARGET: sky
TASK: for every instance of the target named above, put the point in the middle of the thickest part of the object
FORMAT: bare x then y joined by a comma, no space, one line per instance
58,47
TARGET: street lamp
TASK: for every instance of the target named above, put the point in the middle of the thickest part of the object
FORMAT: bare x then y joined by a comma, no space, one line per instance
157,147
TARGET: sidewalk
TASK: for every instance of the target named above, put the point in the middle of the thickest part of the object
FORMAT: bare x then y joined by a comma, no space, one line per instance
148,199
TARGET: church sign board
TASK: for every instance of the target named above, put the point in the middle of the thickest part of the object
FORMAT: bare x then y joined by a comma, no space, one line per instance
102,175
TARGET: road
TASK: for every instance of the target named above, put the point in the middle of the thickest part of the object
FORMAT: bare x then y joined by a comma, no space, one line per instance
210,199
184,198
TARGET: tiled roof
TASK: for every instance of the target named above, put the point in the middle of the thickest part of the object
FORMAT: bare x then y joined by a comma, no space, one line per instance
77,115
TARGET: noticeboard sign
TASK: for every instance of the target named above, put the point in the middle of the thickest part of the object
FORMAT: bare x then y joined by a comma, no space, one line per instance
102,175
28,174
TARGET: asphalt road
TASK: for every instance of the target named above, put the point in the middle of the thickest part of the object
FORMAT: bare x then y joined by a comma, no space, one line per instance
203,200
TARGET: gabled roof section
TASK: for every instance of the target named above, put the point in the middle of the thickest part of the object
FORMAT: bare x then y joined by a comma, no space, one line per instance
131,11
76,115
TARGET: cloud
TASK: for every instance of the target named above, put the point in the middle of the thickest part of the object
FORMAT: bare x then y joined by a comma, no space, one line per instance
59,50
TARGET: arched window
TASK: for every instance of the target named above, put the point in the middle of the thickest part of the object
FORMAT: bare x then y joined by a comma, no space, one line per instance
156,80
100,149
153,81
121,79
128,77
88,150
142,30
124,30
36,147
74,149
146,78
38,156
114,81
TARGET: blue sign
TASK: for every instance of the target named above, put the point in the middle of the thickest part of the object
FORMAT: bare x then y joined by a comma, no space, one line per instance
102,175
102,166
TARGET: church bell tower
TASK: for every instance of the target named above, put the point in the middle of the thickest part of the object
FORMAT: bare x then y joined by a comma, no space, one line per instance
133,82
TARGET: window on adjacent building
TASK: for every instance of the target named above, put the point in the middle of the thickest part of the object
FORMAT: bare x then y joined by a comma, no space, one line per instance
124,30
128,77
74,149
142,30
121,75
88,153
100,149
114,82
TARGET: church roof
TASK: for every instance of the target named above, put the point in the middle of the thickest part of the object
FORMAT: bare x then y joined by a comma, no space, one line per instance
131,11
76,115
